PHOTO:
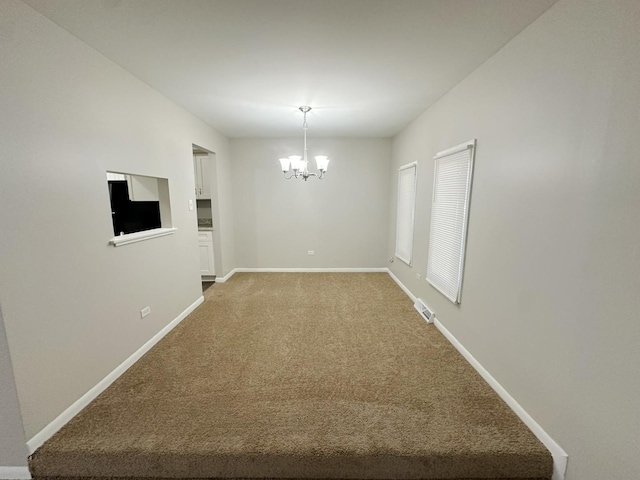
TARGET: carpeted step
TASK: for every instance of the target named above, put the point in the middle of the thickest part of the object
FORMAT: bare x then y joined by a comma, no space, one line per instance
263,382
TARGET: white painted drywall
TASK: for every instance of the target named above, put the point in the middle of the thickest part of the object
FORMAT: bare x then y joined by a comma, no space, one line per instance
550,297
223,213
71,302
13,451
342,218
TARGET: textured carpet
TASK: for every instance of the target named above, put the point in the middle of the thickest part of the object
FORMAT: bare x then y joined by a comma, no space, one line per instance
311,375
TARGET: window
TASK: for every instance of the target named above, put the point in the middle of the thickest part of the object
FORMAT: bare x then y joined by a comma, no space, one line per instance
139,207
452,178
406,208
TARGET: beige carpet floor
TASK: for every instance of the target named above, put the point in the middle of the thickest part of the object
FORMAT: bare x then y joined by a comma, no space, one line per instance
287,375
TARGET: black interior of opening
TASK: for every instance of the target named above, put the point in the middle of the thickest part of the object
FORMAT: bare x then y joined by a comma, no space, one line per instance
129,216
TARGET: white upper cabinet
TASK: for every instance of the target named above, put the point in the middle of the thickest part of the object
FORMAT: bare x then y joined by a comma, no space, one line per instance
115,176
142,189
202,173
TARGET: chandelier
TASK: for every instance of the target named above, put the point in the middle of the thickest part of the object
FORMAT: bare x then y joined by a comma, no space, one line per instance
298,165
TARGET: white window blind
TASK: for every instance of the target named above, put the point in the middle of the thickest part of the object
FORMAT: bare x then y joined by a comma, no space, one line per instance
452,178
406,208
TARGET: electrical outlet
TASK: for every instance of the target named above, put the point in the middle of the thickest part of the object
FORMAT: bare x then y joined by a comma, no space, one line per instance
418,276
190,205
311,252
145,311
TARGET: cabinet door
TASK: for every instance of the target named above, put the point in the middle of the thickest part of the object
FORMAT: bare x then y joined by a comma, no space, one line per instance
205,172
197,175
205,248
206,259
142,189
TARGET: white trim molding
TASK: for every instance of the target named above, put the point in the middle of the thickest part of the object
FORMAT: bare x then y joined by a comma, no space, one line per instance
560,457
14,473
300,270
312,270
226,277
47,432
128,238
401,285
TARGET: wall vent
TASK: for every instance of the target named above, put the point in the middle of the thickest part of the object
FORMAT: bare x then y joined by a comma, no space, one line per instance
424,310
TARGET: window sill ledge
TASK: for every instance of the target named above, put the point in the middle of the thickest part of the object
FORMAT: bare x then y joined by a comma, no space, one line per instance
140,236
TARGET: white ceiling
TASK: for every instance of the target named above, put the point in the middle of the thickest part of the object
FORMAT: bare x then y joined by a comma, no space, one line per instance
367,67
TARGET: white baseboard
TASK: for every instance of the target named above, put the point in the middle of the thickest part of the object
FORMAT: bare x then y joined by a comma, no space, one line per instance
48,431
401,285
226,277
14,473
312,270
560,457
299,270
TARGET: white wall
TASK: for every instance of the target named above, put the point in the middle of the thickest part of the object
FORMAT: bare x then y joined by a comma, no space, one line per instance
550,299
13,451
70,301
223,213
342,217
